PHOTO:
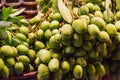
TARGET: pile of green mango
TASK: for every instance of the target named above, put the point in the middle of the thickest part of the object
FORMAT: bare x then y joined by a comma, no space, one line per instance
78,39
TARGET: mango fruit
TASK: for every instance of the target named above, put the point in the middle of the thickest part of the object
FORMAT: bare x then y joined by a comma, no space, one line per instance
24,59
53,65
65,66
44,55
78,71
19,68
79,25
43,72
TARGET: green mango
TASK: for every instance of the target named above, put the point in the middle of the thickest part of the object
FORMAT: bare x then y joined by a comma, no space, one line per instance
65,66
5,72
79,25
43,72
21,36
90,7
44,55
58,75
32,55
91,69
84,10
98,14
10,61
108,16
1,64
48,33
24,59
53,65
100,69
99,22
69,49
67,30
81,61
77,40
54,25
45,25
78,71
87,45
117,25
22,49
7,51
111,29
24,30
40,34
19,68
103,36
39,45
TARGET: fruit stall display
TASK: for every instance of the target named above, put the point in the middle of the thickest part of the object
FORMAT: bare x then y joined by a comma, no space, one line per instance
65,40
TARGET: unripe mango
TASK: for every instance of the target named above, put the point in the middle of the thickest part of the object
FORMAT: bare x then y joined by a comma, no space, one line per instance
69,49
32,55
43,72
90,7
117,15
99,22
44,55
19,68
10,61
103,36
24,30
81,61
31,37
39,34
5,72
100,69
67,30
87,45
22,49
53,65
108,16
58,75
79,26
48,33
93,30
80,52
98,14
45,25
1,64
84,10
65,66
54,24
7,51
77,40
111,29
77,71
21,36
117,25
39,45
91,69
24,59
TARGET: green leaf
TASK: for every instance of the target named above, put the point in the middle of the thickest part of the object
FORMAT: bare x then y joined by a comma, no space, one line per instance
46,7
16,13
15,19
5,13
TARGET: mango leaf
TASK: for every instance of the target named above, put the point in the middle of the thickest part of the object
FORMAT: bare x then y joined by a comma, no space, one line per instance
15,19
4,14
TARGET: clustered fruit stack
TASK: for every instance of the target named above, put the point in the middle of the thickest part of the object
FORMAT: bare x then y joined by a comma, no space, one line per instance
72,42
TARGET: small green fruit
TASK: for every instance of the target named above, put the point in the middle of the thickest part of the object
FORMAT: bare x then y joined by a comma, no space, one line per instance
19,68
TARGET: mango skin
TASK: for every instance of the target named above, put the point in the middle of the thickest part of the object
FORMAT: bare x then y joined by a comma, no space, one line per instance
99,22
79,25
1,63
53,65
77,71
44,55
19,68
7,51
43,72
